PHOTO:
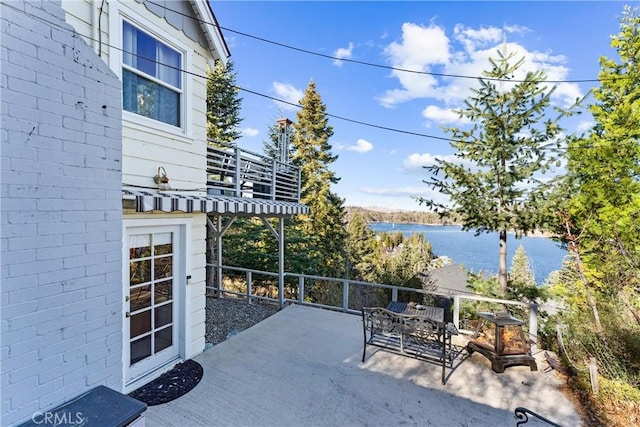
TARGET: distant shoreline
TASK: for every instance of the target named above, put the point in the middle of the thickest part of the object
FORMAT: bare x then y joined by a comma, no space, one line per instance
542,234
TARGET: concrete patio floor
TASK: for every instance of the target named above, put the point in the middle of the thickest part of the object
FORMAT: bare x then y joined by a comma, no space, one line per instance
303,367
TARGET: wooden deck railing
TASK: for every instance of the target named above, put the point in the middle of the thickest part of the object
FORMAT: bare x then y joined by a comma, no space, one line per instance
233,171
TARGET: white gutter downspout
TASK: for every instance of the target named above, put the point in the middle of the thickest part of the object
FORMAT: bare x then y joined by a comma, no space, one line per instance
95,24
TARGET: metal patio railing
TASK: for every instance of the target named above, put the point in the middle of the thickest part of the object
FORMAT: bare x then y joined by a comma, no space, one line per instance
298,288
233,171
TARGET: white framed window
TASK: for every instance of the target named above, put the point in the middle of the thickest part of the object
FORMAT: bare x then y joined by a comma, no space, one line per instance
152,80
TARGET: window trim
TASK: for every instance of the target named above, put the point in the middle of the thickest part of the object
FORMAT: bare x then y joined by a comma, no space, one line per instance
117,15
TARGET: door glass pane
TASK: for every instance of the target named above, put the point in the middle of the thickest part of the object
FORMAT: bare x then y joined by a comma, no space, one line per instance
140,349
164,338
162,244
163,291
151,323
140,298
163,268
139,246
140,272
140,323
164,315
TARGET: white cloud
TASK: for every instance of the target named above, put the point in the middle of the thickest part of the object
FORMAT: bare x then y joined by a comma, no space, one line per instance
584,126
288,93
428,49
417,161
408,192
471,39
421,48
361,146
342,53
398,191
443,116
250,132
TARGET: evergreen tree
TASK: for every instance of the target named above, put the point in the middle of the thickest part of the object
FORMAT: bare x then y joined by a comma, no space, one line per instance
598,200
605,168
223,104
522,283
506,146
406,265
520,272
362,250
324,226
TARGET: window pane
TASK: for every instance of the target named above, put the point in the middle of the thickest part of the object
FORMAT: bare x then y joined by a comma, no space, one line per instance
162,243
129,91
163,339
169,106
146,50
140,246
163,291
139,272
164,315
140,349
139,298
140,323
169,65
163,268
128,44
149,99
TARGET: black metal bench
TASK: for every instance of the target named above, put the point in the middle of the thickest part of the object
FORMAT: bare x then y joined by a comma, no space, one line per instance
408,335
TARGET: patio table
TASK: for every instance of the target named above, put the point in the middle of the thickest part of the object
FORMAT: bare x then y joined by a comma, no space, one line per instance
428,311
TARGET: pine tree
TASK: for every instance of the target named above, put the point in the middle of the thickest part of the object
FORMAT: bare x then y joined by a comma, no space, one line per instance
223,104
598,200
362,250
520,271
605,167
506,146
324,226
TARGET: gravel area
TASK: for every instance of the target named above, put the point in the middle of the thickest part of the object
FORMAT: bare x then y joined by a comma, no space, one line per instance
228,316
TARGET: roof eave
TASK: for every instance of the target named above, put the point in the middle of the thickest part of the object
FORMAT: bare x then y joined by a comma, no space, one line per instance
211,28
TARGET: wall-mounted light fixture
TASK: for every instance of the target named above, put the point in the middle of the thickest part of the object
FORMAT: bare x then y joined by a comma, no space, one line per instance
162,179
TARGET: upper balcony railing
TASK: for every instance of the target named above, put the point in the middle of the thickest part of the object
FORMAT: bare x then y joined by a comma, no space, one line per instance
233,171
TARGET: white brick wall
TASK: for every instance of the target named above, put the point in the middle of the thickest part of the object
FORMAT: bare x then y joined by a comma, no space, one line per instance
61,177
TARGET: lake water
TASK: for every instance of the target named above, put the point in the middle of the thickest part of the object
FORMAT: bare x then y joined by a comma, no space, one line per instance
480,253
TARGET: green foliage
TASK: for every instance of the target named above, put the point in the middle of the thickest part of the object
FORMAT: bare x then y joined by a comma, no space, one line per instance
324,226
604,166
249,244
495,184
522,285
400,217
363,254
520,273
406,263
223,104
598,212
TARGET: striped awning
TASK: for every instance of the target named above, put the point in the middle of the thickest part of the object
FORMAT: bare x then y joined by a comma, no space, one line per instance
181,201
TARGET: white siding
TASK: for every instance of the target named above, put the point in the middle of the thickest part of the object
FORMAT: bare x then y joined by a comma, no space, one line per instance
147,144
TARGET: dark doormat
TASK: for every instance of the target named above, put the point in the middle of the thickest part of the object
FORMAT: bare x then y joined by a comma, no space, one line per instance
170,385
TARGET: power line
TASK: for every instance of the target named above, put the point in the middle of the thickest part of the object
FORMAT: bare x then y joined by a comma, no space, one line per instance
371,64
363,123
372,125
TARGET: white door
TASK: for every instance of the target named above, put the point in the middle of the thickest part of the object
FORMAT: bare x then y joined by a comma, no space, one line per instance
152,297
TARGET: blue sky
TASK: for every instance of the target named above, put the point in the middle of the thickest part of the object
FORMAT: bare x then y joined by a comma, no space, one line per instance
381,168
